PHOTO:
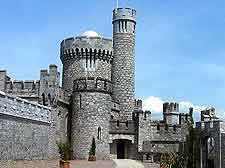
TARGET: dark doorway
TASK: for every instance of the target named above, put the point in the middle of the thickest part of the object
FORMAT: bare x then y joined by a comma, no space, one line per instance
210,163
120,149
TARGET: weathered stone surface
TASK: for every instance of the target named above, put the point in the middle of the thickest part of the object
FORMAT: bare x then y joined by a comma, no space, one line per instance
91,111
96,100
123,67
24,129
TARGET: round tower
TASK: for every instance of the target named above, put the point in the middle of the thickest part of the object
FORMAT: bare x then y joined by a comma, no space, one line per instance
123,68
171,113
87,62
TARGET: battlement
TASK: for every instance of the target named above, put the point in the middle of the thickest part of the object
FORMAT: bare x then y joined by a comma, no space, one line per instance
20,108
122,127
92,85
17,85
170,107
124,14
143,115
138,105
27,88
208,114
86,47
115,106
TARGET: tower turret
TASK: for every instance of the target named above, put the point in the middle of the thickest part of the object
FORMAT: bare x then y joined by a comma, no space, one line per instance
87,63
171,113
123,67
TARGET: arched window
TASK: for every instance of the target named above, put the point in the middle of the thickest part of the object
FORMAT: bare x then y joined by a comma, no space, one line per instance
80,101
99,133
111,117
158,127
166,127
43,99
127,124
145,116
49,99
105,85
117,123
174,128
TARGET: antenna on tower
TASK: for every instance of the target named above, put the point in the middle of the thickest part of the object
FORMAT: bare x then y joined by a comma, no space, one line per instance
117,4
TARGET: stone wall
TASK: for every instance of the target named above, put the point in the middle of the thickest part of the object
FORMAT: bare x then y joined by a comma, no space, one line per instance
24,129
91,112
123,72
28,89
85,57
159,137
212,143
2,80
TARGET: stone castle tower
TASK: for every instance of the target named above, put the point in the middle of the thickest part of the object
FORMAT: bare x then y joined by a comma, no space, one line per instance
97,99
123,69
87,62
97,71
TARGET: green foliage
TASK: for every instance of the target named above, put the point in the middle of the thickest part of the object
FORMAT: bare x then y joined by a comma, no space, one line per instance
172,160
93,147
64,149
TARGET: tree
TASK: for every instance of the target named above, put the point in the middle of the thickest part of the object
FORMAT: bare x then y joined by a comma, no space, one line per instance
93,148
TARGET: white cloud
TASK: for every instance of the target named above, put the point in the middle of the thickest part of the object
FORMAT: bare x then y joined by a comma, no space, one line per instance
155,105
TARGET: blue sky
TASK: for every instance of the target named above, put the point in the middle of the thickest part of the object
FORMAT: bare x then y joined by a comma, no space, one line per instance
180,45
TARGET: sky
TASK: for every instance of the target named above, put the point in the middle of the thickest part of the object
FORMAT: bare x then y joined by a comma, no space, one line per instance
180,45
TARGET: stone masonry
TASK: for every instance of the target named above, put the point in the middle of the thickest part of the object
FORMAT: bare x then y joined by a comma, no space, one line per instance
96,100
24,129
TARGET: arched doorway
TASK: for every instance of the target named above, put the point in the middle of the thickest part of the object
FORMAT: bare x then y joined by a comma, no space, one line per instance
122,147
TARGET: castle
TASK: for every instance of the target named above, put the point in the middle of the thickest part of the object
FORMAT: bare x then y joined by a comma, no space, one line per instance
96,99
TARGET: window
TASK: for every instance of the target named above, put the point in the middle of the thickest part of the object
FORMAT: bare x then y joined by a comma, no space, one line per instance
80,102
127,124
49,99
174,128
111,117
166,127
134,28
105,85
99,133
117,123
43,99
158,127
59,113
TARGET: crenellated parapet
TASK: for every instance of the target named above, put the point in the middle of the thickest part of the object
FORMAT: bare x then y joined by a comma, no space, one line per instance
92,85
124,13
20,108
88,48
138,105
122,127
170,107
19,85
27,88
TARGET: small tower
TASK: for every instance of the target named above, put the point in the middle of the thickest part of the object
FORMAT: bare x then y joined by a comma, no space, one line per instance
87,61
208,114
49,84
3,79
123,67
171,113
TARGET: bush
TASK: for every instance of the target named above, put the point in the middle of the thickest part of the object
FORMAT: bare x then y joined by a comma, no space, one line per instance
64,150
93,147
